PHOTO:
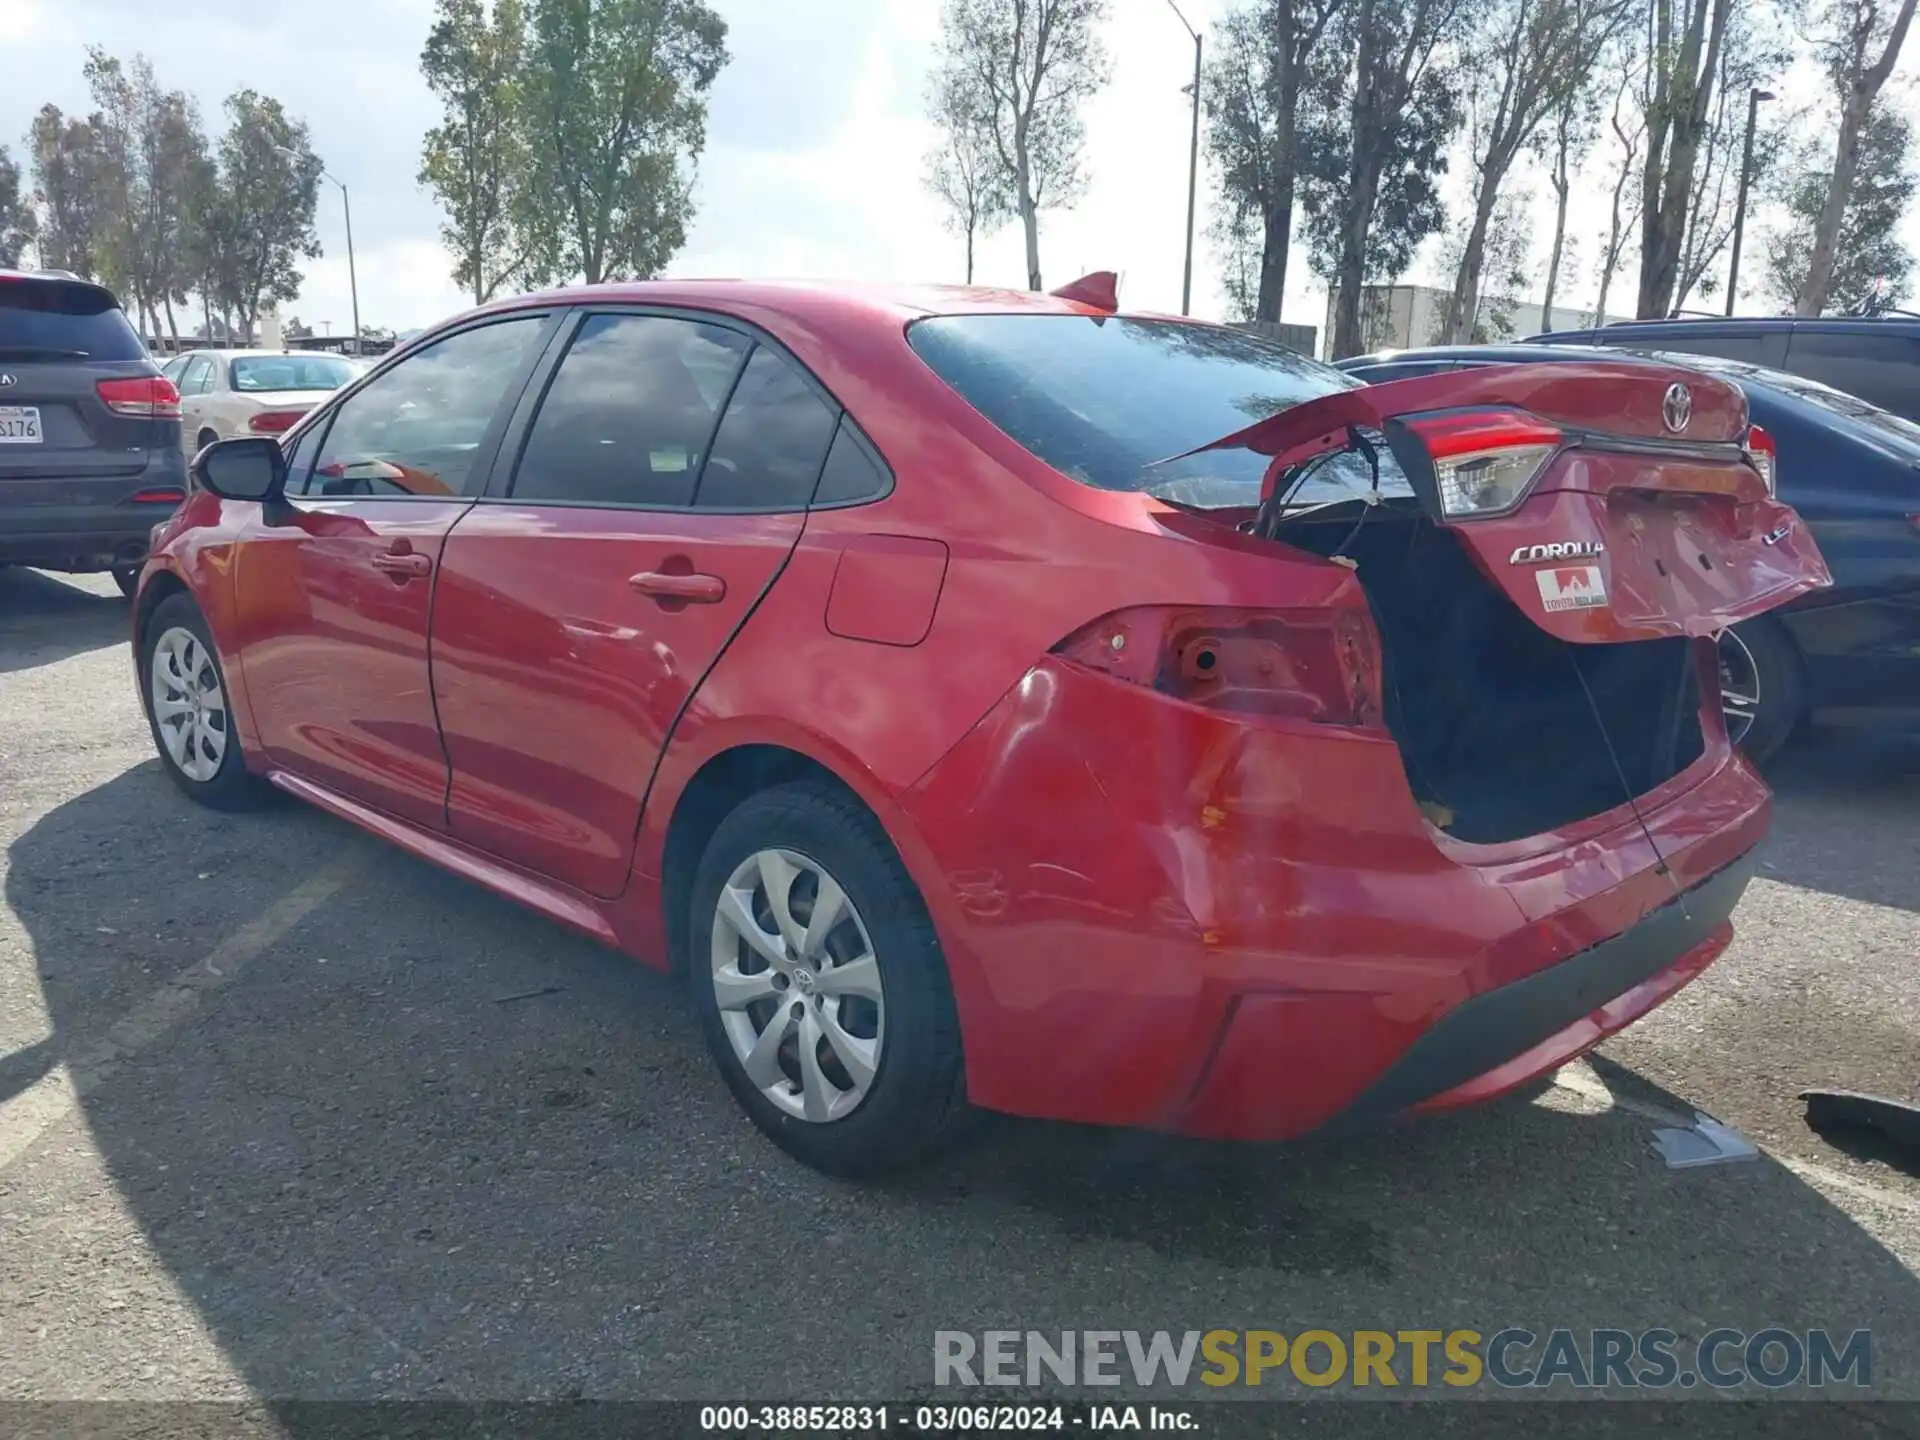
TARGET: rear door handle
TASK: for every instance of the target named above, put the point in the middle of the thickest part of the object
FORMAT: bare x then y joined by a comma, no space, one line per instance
693,589
404,564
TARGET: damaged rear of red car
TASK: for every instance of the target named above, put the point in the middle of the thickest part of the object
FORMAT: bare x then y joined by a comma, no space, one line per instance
1424,796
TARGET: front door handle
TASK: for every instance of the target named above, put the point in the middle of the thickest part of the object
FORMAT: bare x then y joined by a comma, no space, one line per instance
403,564
690,589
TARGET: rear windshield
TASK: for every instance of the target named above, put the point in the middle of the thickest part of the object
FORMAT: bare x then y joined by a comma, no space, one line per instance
291,372
1103,400
59,320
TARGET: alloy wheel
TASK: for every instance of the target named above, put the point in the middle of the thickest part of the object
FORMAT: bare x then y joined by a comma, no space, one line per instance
798,986
189,704
1739,686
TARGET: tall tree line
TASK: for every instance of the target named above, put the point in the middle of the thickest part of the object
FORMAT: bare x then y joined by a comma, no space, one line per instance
136,195
568,135
1336,122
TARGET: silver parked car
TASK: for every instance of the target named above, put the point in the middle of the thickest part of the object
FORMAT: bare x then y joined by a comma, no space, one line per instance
224,393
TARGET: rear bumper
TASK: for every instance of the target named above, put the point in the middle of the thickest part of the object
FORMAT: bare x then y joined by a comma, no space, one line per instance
1158,918
1500,1039
87,524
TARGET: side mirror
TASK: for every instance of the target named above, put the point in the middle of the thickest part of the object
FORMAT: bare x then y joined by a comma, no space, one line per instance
247,468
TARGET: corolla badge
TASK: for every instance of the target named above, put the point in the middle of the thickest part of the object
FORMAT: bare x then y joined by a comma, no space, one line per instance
1556,550
1677,408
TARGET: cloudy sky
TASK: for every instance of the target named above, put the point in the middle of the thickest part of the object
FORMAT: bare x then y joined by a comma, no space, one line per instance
812,169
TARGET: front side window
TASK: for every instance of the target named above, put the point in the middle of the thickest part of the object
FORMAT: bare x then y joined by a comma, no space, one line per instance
195,379
299,457
630,415
416,431
1103,400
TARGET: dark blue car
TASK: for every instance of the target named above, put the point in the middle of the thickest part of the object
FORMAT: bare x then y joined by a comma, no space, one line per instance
1846,655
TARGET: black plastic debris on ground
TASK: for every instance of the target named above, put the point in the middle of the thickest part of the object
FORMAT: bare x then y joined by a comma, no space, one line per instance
1890,1129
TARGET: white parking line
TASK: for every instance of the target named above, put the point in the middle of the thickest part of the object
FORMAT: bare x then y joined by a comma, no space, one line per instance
35,1110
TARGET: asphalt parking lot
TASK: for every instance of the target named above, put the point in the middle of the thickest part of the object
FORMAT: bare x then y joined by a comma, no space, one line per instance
285,1113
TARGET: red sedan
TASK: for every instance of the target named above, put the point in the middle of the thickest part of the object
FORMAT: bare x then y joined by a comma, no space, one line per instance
990,698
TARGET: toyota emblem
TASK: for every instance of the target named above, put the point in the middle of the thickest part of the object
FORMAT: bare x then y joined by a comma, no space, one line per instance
1677,408
6,380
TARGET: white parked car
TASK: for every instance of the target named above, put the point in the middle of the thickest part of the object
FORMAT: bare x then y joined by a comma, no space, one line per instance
224,393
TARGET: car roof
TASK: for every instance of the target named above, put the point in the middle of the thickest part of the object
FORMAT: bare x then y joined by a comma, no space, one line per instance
813,300
262,354
1749,324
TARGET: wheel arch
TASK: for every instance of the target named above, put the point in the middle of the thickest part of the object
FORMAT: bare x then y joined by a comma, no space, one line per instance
720,783
162,587
166,582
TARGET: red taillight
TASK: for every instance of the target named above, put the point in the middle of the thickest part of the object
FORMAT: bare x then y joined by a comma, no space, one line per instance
1449,434
1764,456
1483,460
145,397
274,422
1320,664
167,495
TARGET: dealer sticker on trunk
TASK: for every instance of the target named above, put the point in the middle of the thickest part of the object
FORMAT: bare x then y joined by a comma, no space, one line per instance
1571,587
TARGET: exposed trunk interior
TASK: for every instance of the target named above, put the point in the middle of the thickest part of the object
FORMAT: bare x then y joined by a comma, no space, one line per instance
1505,731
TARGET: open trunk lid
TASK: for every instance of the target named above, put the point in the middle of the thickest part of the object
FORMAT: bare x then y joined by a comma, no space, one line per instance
1610,502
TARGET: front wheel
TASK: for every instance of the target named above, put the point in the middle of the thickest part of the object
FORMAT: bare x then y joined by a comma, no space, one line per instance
185,693
1762,687
820,983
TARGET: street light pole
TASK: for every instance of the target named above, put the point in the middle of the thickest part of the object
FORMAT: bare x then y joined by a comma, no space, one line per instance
346,206
1754,97
353,279
1193,166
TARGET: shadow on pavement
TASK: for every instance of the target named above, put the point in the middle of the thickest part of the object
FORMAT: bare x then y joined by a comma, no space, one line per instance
44,618
1847,816
373,1174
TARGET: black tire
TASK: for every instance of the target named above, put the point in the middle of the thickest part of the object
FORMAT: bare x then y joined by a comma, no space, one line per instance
202,440
916,1099
127,577
1781,675
230,786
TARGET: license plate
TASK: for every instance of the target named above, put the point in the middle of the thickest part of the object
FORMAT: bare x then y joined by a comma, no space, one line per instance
19,425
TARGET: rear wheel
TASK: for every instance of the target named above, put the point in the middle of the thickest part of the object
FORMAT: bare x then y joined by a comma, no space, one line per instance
1762,687
188,710
820,983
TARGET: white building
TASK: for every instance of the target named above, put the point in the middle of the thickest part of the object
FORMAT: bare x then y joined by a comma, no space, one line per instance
1405,317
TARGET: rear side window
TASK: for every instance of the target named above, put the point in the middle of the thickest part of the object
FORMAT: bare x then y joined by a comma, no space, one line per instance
415,432
59,320
197,378
1882,369
852,474
631,413
1754,347
1102,400
769,449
